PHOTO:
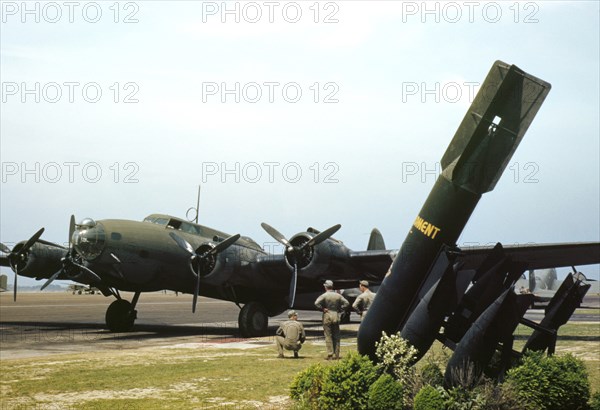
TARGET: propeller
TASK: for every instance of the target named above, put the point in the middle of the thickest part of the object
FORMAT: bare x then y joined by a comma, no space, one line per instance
69,261
199,258
16,258
299,251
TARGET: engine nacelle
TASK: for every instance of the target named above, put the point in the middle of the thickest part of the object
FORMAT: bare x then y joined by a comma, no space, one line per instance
318,259
218,268
41,260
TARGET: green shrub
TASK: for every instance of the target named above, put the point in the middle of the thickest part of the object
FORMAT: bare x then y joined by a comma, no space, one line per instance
550,382
396,356
346,384
499,396
432,374
595,401
386,394
459,398
485,396
429,398
307,385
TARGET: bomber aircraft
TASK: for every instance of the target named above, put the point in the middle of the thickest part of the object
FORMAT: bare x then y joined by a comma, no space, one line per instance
165,252
431,284
544,284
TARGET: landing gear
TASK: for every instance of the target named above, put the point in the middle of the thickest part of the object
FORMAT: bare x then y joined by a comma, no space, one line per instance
121,315
253,320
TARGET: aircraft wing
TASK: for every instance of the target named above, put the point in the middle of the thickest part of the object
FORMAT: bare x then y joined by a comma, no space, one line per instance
373,265
345,270
538,256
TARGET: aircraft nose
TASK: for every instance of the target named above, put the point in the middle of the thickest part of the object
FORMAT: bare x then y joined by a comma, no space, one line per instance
89,238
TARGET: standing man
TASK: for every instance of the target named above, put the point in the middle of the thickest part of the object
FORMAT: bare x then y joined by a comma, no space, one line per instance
290,335
331,304
364,300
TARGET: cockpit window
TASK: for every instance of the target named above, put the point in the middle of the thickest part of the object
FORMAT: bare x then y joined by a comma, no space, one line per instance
189,228
156,220
174,223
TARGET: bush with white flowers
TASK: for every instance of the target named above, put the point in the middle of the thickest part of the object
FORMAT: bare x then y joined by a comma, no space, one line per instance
396,356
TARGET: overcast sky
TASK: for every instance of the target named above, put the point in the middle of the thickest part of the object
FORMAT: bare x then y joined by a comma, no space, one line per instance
293,113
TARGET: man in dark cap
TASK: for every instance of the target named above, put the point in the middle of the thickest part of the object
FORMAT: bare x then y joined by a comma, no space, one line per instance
331,304
290,335
364,300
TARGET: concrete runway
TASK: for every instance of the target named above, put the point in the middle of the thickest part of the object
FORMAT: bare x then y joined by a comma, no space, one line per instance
53,323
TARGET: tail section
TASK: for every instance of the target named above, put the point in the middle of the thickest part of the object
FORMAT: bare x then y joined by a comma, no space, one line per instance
376,242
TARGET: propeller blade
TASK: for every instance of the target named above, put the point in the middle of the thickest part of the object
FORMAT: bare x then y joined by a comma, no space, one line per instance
183,244
221,246
4,261
196,293
88,270
15,285
71,228
275,234
293,284
322,236
115,257
31,241
4,248
49,281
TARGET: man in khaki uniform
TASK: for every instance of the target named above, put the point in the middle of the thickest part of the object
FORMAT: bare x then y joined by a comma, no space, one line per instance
290,335
331,304
364,300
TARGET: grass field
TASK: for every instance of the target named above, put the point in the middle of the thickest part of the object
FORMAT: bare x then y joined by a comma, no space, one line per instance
198,375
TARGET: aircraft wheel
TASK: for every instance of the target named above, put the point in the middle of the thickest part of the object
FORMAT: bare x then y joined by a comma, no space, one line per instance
253,320
120,316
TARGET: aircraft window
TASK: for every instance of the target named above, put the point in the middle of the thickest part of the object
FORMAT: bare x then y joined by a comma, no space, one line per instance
149,219
174,223
189,228
161,221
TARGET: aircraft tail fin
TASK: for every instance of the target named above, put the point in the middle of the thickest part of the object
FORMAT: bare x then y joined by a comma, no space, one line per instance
376,242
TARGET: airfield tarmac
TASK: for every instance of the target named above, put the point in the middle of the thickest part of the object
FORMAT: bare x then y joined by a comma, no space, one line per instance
41,324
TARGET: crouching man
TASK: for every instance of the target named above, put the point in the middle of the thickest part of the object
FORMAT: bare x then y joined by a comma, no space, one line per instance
290,335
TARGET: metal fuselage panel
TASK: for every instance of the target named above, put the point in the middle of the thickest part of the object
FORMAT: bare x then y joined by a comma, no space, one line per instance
151,260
